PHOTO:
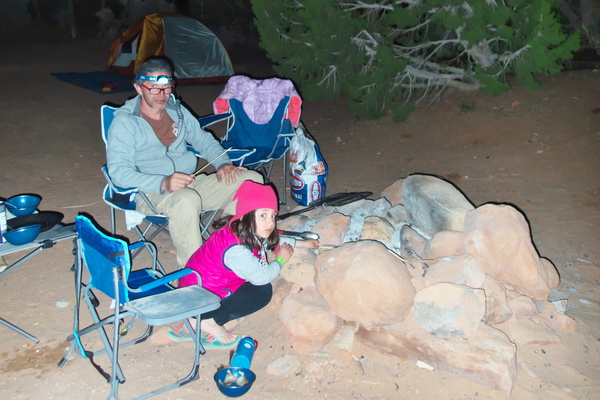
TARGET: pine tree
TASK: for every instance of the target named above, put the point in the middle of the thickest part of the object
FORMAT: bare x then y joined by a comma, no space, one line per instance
396,54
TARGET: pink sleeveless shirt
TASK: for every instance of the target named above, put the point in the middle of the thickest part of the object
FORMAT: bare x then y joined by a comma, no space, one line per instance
208,262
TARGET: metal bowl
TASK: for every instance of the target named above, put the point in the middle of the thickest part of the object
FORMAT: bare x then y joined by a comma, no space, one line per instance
22,235
23,204
226,381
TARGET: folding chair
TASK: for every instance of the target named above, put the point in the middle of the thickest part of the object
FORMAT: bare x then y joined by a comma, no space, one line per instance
141,294
122,199
261,118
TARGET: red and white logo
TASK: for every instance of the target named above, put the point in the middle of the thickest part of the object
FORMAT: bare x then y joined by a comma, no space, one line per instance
315,191
296,182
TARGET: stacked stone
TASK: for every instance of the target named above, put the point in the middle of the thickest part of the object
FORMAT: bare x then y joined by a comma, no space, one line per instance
422,274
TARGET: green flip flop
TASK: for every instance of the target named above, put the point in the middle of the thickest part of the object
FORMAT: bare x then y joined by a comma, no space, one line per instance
180,334
213,342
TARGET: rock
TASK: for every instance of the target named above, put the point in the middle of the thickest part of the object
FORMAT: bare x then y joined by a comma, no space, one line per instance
293,223
434,205
307,319
62,303
496,303
299,269
286,365
350,208
487,358
449,311
498,237
412,245
444,244
522,306
393,193
344,338
527,330
417,272
319,213
332,229
397,216
554,312
563,323
372,208
281,289
342,358
461,270
364,282
377,228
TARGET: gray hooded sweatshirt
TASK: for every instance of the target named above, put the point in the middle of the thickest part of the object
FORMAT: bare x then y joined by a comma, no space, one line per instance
137,158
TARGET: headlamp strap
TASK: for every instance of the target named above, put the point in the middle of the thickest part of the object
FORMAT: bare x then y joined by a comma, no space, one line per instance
161,79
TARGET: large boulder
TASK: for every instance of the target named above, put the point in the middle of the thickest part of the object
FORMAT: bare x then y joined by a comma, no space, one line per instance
364,282
498,237
434,205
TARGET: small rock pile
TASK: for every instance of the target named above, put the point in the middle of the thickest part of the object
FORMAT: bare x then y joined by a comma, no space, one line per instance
422,274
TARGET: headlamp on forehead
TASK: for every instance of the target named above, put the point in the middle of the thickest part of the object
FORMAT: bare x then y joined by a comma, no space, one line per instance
161,79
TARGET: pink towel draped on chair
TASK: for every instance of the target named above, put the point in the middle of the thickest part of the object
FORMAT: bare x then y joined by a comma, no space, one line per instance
260,98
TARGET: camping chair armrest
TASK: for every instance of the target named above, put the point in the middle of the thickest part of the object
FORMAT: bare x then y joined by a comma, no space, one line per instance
213,119
135,245
165,279
151,247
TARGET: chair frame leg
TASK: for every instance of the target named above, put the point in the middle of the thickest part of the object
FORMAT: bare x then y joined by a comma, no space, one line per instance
18,330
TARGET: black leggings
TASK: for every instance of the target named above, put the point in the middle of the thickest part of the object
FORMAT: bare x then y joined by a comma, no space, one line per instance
246,300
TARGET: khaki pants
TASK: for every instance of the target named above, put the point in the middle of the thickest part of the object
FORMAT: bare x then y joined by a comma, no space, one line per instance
183,207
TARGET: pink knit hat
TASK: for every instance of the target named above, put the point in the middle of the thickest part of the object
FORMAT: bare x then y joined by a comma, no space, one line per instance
252,196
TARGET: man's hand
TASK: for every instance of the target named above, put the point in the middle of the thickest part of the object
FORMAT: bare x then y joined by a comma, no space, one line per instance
176,181
229,172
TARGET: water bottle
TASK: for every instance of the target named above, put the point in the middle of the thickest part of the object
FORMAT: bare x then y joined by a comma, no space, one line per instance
243,355
3,226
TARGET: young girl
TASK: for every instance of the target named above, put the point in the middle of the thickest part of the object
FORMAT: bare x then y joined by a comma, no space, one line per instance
233,263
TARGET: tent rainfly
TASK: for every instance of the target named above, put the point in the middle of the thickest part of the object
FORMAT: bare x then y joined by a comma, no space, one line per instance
198,55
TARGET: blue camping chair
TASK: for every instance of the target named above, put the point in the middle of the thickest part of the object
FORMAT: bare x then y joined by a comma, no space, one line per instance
144,294
122,199
257,144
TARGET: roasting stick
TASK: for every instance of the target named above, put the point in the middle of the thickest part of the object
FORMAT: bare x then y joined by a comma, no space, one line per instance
203,168
329,247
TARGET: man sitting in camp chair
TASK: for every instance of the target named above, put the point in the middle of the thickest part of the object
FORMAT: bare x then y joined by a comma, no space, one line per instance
147,148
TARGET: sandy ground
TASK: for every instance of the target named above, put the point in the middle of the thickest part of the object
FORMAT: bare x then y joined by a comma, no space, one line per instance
537,150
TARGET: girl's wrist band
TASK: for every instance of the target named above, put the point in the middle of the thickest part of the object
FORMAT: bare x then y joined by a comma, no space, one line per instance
280,261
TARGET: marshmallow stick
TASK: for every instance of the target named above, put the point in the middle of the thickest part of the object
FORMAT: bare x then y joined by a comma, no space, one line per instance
203,168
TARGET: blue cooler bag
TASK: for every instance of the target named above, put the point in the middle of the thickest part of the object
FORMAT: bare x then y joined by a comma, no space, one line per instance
308,169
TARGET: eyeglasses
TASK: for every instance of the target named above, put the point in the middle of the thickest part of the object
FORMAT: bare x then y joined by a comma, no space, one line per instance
167,90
